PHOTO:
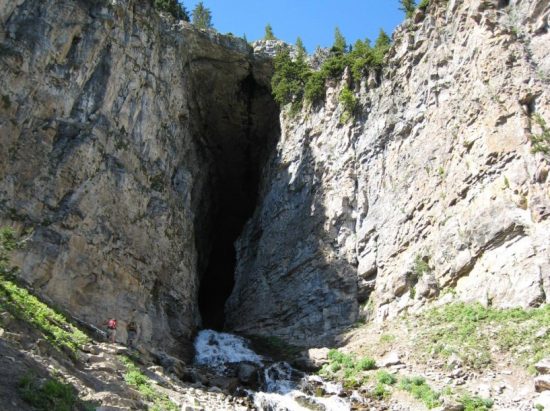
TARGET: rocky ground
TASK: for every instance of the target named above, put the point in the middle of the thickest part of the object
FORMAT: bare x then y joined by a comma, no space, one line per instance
101,373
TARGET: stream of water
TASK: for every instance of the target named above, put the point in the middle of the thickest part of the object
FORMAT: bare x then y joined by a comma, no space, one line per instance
281,387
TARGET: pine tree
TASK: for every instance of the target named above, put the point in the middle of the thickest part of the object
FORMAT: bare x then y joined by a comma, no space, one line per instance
202,17
408,6
339,45
174,7
300,49
381,47
269,33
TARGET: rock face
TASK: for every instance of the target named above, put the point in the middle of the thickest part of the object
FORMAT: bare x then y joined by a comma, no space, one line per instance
135,146
433,188
122,136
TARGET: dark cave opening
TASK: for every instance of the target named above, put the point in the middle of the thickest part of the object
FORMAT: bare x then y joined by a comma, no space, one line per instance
240,137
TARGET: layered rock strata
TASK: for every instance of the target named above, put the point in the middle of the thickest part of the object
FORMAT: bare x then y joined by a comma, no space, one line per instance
432,193
119,129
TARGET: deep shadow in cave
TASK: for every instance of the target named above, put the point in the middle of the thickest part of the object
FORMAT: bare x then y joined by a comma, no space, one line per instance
240,135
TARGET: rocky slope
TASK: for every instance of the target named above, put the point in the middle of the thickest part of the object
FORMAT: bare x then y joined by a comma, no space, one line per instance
431,194
122,135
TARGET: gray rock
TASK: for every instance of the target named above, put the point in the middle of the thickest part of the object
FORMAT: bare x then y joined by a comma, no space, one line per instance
543,366
542,383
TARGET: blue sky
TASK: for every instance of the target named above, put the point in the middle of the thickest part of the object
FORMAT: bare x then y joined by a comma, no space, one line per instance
313,20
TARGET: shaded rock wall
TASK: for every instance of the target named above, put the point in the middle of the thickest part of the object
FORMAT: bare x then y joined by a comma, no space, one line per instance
117,128
431,195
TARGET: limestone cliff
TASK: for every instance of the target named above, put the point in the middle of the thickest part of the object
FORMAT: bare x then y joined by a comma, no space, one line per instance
134,147
122,135
431,194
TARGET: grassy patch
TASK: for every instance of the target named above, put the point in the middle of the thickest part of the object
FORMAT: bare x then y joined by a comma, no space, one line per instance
418,388
26,307
475,403
384,377
387,338
50,394
138,380
347,368
473,332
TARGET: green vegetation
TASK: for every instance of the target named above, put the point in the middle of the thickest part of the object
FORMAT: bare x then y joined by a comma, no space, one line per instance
475,403
202,16
473,332
423,5
347,368
174,7
26,307
339,45
387,338
349,101
301,52
384,377
138,380
294,81
420,267
49,395
380,392
268,35
421,391
408,6
540,143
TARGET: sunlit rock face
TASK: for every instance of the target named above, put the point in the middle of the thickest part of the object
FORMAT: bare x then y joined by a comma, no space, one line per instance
119,129
142,152
432,194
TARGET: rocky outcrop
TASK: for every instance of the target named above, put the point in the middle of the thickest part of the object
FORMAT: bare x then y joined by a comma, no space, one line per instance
433,193
133,146
122,134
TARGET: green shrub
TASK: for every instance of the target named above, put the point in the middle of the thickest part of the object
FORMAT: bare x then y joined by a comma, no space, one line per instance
315,87
349,101
407,6
380,392
424,4
142,383
420,267
475,403
346,367
48,395
421,391
174,7
384,377
540,143
366,364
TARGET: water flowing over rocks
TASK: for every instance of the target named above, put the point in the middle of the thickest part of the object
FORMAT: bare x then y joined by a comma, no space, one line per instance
281,388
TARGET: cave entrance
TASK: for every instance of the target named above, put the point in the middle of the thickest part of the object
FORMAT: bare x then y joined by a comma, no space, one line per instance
240,133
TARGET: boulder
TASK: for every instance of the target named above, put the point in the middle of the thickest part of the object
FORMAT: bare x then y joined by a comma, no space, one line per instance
543,366
542,383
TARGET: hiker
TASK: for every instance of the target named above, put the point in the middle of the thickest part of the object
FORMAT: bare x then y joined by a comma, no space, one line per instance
132,330
111,329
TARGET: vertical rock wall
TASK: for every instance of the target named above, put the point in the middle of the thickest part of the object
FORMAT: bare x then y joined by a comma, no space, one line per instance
112,120
432,194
